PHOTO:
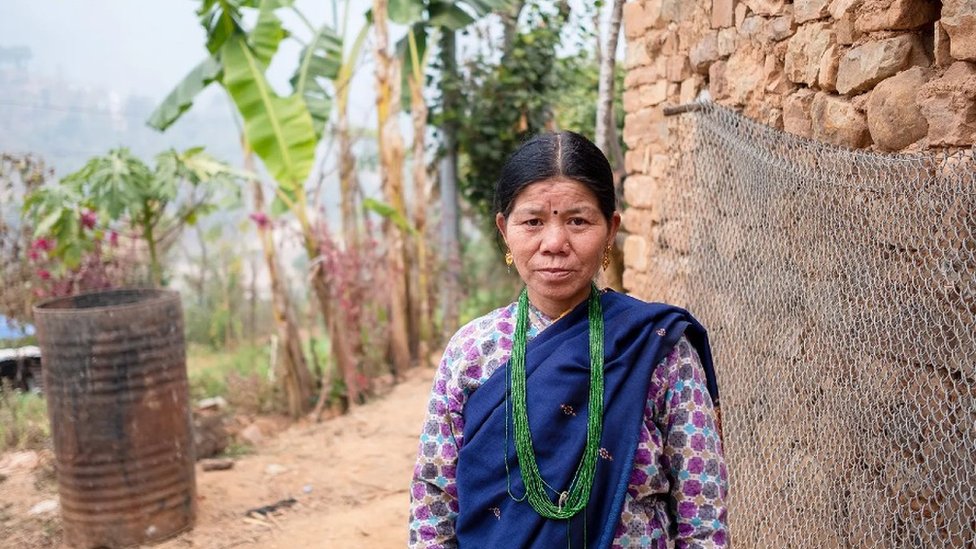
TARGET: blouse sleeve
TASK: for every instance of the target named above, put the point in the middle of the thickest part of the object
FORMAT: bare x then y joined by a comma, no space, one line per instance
433,490
692,455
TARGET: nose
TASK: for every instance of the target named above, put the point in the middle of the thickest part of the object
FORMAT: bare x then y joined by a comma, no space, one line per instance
554,239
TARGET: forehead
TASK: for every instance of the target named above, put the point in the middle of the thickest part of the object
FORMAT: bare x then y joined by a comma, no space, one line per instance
558,192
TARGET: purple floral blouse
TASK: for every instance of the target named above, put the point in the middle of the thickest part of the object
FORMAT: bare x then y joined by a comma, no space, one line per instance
677,489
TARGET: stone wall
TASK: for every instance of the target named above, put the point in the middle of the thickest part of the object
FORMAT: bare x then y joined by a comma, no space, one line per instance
886,75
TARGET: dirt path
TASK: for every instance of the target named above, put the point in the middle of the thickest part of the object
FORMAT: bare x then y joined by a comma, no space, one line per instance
349,476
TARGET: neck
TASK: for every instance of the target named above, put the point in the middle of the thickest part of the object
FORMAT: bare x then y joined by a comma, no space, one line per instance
555,309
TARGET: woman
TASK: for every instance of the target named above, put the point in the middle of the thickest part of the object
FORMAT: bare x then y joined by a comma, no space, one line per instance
573,417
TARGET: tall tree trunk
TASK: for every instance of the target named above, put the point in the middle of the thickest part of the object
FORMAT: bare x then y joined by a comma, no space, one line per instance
450,218
421,296
606,129
391,164
290,362
347,175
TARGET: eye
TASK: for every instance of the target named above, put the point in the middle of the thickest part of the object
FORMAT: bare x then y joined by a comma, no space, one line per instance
578,221
535,222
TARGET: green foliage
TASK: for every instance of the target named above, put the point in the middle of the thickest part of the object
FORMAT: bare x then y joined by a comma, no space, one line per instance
23,421
505,102
320,61
181,98
575,106
120,192
242,376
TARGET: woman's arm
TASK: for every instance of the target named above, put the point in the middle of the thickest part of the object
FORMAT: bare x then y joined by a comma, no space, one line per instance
693,453
433,491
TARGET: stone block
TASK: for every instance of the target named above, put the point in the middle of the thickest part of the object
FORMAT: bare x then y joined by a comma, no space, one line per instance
753,27
864,66
804,51
690,88
877,15
829,64
940,47
766,7
631,100
810,10
636,54
894,119
774,79
727,39
704,52
653,94
642,76
746,68
677,10
959,22
723,13
837,121
644,126
949,106
678,68
796,112
639,192
634,19
780,28
740,15
718,84
846,33
636,253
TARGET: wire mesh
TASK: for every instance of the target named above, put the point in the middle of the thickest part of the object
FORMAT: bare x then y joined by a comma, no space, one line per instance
839,289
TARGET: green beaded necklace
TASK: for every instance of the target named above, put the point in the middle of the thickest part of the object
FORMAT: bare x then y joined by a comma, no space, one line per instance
574,499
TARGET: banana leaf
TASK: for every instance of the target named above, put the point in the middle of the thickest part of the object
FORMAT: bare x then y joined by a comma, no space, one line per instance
181,98
279,129
320,61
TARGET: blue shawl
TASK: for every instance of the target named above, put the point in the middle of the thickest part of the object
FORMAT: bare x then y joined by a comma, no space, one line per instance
638,336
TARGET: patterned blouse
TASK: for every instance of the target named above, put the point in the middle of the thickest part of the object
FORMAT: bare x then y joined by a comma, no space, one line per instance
677,489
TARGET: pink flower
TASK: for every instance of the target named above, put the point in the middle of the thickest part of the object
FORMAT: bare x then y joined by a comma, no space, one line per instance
42,244
261,219
88,219
33,255
44,274
113,239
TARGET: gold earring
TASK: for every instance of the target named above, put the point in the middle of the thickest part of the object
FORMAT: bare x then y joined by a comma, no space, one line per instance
508,258
606,256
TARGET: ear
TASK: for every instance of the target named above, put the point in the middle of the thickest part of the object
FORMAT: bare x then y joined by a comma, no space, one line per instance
500,222
614,226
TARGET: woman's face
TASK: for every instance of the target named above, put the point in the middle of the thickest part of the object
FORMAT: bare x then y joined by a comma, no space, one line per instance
557,236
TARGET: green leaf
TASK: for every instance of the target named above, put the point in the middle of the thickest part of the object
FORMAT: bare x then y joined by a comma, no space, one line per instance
405,12
389,212
279,129
221,19
44,227
278,207
268,32
181,98
414,62
448,15
320,60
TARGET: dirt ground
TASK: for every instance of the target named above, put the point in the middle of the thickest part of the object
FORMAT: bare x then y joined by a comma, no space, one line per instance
349,476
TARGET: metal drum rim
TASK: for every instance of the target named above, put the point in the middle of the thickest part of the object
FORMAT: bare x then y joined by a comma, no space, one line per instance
154,296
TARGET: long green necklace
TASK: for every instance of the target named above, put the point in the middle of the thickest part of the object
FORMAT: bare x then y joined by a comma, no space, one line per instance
574,499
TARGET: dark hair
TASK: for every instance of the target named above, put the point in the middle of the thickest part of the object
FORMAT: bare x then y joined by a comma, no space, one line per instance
548,155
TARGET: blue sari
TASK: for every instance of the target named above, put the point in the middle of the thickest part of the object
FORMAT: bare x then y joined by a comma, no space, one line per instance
638,336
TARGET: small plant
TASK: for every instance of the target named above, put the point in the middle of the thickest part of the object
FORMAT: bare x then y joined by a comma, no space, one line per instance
23,421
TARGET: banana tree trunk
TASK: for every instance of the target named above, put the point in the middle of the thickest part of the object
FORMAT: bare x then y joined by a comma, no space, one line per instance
418,111
347,179
391,168
605,127
290,362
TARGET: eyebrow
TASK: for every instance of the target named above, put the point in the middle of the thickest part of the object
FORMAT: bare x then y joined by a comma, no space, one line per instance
533,210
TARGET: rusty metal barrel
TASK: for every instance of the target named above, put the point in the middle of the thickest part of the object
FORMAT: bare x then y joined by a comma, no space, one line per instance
115,380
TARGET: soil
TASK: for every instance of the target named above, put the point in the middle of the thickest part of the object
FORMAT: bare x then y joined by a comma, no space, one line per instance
349,476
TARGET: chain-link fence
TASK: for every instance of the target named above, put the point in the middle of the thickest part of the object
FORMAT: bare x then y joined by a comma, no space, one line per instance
839,289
